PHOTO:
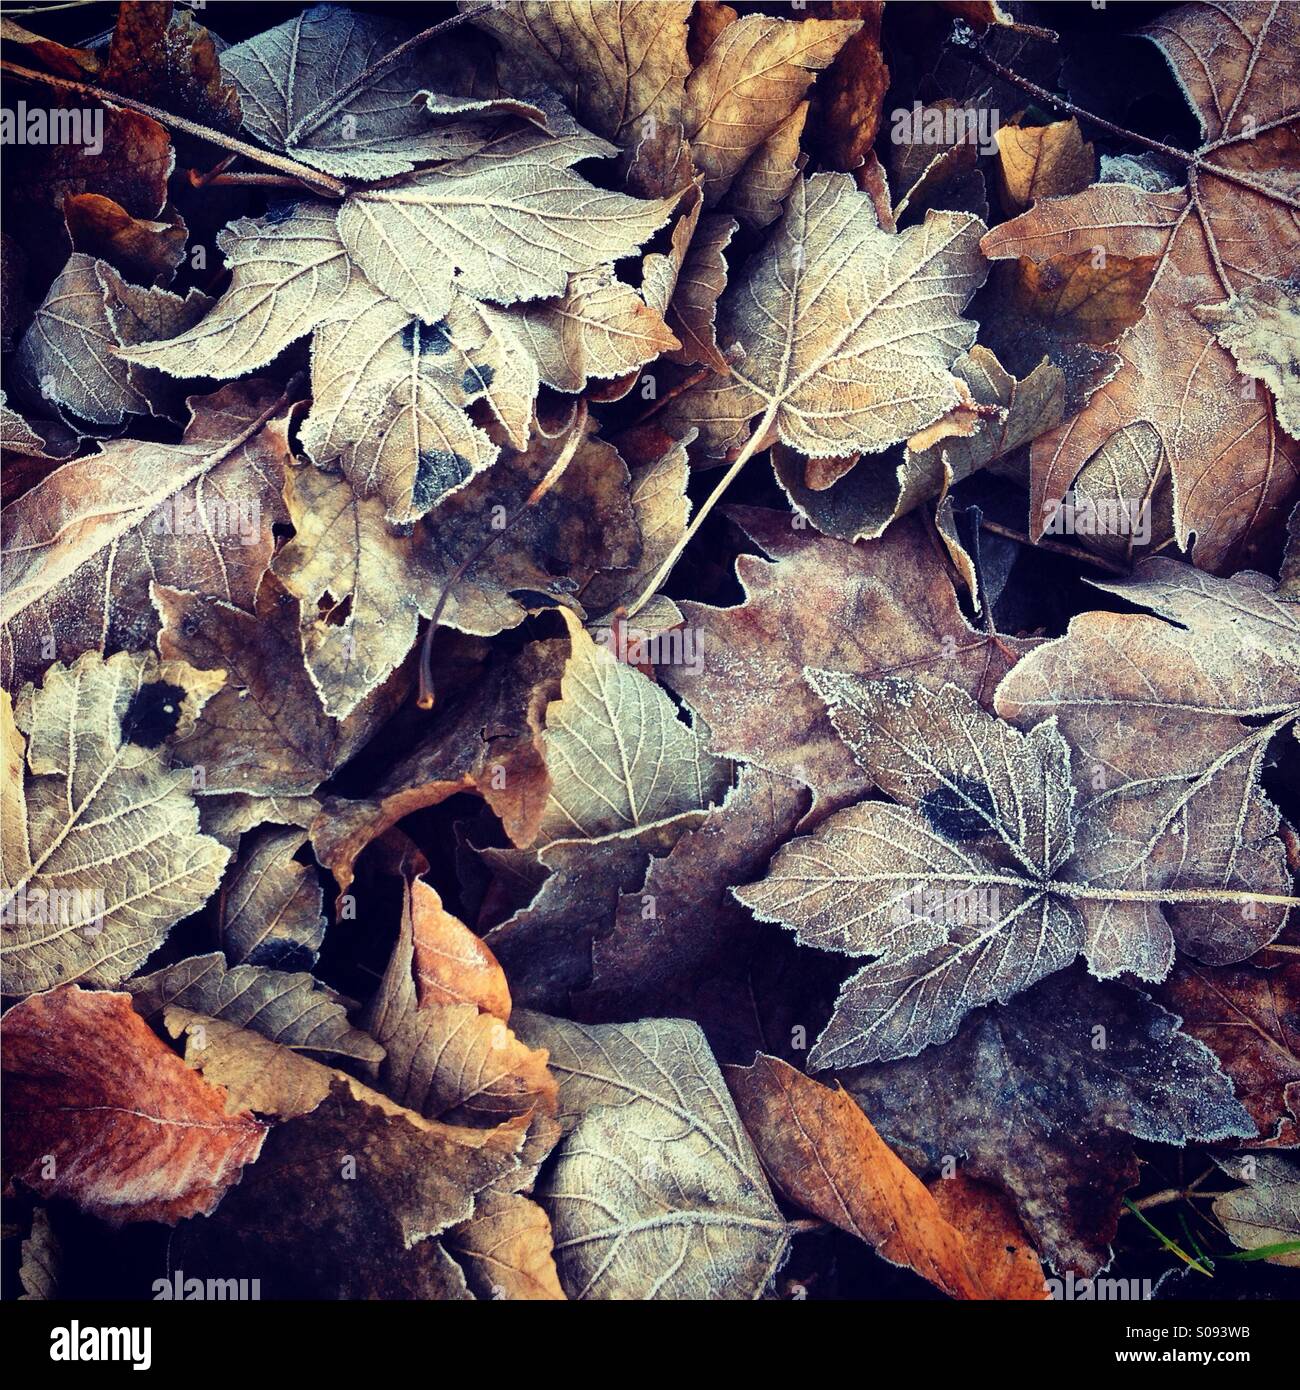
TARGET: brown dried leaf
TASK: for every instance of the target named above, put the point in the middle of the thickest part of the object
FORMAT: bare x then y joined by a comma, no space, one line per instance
750,81
82,547
820,603
656,1192
1248,1019
812,313
292,1009
1170,715
101,1112
1234,471
825,1156
1044,161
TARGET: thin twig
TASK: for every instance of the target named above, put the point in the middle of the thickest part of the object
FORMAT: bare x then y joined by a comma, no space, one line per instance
1187,157
324,184
756,443
1055,547
331,106
240,180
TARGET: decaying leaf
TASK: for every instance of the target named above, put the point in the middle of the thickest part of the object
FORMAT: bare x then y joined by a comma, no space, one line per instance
1229,230
1042,1096
817,603
102,850
99,1111
82,547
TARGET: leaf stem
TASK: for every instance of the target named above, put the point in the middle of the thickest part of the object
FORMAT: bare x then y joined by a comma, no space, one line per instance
1170,895
1056,547
324,184
756,442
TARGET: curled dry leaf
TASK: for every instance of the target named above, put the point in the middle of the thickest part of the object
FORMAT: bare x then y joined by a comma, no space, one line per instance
99,1111
824,1155
290,1008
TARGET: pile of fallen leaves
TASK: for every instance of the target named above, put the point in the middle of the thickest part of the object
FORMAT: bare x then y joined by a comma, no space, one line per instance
445,856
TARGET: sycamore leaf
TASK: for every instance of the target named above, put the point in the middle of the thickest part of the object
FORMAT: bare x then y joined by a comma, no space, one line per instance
102,850
301,91
288,272
818,603
82,547
825,1156
1230,230
656,1191
1266,1211
1170,714
949,888
292,1009
616,65
500,231
100,1111
1042,1095
389,395
750,81
847,332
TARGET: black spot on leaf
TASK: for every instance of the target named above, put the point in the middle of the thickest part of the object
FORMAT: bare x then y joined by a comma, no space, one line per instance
476,379
421,337
963,812
438,472
153,714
